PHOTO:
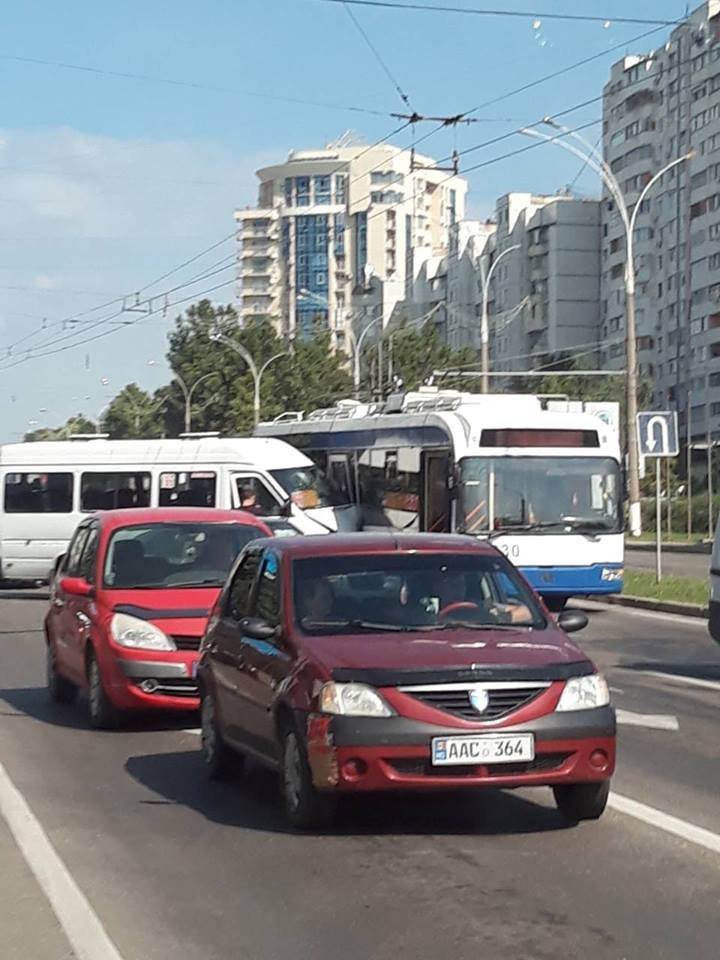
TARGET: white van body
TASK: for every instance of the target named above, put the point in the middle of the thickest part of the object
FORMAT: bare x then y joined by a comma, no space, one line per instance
47,488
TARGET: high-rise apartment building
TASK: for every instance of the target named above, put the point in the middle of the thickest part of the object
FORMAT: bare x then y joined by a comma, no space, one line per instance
545,294
657,107
338,236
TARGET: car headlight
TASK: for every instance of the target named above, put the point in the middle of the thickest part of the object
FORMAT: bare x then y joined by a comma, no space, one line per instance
138,634
353,700
584,693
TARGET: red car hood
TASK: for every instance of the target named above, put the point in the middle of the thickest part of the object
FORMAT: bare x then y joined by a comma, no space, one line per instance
179,612
444,649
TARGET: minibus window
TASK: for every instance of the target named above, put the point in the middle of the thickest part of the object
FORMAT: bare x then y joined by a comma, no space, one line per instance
195,489
114,491
38,493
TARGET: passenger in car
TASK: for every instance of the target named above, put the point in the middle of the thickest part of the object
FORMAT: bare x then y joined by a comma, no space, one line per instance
317,601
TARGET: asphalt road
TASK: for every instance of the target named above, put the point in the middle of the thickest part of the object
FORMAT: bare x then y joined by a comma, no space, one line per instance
176,868
675,564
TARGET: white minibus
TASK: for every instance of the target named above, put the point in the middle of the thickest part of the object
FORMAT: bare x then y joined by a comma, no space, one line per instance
47,487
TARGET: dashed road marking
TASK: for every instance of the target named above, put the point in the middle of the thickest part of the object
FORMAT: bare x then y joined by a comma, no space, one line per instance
653,721
81,924
664,821
688,681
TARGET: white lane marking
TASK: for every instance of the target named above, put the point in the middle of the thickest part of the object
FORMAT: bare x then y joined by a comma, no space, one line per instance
594,605
690,681
617,690
196,730
88,938
663,821
654,721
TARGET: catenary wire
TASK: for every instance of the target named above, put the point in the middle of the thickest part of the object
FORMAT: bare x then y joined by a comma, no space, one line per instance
376,53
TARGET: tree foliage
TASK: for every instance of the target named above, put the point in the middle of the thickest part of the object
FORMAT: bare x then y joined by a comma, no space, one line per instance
134,413
413,354
74,425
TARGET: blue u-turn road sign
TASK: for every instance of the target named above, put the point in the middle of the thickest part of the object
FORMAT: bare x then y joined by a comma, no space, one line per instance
657,433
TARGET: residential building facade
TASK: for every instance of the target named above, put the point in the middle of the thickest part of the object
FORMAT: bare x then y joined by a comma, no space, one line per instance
657,107
544,296
338,235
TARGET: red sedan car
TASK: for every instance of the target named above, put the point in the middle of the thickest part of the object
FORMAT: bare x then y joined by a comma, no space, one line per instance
414,662
129,603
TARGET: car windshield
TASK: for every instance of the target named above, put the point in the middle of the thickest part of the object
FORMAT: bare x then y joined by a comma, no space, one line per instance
169,555
550,494
405,591
308,487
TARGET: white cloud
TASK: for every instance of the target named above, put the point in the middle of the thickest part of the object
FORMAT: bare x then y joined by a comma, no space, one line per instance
64,183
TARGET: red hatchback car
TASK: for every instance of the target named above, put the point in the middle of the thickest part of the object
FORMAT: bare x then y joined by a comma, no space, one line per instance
129,602
414,662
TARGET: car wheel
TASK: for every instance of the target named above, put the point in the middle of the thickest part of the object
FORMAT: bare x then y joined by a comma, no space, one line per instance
582,801
60,690
217,756
556,604
305,807
103,713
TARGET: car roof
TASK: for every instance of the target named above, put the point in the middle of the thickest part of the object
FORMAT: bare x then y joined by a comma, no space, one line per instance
115,519
340,544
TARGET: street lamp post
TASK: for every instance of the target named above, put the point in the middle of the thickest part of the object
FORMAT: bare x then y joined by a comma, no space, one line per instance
484,326
256,373
594,160
188,394
357,343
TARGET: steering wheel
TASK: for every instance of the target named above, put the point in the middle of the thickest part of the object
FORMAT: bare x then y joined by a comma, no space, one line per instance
458,605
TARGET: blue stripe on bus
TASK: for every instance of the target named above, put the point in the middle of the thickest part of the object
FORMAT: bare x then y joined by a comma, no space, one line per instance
573,581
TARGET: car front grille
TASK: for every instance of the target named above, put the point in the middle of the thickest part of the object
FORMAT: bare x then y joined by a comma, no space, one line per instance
415,767
186,643
455,698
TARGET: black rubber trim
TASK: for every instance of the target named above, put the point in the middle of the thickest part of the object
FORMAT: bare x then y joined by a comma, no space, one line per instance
402,732
145,613
715,571
394,678
152,669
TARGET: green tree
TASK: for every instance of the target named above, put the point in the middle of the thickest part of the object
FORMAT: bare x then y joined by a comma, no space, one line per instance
309,376
134,414
415,354
74,425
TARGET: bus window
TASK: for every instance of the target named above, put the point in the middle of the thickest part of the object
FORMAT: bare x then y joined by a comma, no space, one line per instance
197,489
114,491
38,493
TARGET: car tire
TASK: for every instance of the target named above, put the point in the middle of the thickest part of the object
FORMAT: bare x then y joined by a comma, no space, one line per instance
305,807
218,758
59,689
582,801
102,712
556,604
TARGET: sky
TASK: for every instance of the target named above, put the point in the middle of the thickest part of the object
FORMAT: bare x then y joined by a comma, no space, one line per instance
129,133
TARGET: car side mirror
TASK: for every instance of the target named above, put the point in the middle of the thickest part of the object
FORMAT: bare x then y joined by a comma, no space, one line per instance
77,587
257,628
572,620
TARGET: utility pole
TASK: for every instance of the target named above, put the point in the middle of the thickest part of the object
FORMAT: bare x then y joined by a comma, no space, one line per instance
257,374
188,394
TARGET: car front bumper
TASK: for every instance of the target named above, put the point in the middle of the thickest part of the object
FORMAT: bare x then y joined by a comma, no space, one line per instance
357,754
149,684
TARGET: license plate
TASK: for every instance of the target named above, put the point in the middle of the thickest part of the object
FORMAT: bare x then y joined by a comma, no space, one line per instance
485,748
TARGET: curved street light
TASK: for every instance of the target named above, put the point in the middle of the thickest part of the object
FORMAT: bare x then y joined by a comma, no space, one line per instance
484,325
593,159
188,394
257,374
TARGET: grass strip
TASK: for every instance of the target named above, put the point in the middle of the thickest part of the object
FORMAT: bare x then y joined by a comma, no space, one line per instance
675,589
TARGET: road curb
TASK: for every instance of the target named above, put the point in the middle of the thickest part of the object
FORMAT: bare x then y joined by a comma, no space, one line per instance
659,606
694,548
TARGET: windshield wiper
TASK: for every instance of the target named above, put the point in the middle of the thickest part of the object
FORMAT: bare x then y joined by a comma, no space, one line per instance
469,625
525,528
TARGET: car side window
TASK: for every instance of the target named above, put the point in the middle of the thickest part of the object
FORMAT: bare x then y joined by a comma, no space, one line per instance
267,598
88,560
240,592
72,561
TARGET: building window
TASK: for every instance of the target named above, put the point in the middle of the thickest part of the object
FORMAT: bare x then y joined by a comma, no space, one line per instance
302,187
341,189
322,190
360,246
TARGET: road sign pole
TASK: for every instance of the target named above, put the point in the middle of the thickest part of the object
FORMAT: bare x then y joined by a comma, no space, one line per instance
658,522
